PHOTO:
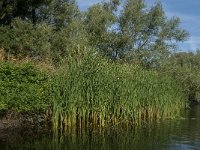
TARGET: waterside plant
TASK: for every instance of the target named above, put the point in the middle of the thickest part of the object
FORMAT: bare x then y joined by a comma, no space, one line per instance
95,92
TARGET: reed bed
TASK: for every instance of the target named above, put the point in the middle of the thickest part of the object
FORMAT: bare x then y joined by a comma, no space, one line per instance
94,92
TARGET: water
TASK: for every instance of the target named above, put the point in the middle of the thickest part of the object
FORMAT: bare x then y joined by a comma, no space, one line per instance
177,134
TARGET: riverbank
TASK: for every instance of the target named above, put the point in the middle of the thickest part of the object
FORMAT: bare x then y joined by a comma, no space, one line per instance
166,134
90,91
13,120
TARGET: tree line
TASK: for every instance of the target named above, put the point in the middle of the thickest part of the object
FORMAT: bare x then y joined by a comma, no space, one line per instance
125,30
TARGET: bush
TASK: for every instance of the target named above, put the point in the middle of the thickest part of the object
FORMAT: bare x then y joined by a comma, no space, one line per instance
184,67
24,39
22,87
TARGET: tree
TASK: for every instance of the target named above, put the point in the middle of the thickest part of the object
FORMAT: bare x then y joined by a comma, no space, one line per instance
184,67
59,13
24,9
100,21
149,33
137,33
25,39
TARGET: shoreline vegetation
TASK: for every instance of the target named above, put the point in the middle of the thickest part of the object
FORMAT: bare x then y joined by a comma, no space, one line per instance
90,92
78,69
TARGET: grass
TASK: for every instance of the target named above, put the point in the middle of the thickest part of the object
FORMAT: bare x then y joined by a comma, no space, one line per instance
94,92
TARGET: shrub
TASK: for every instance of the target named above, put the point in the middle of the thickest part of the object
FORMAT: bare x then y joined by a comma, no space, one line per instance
22,87
24,39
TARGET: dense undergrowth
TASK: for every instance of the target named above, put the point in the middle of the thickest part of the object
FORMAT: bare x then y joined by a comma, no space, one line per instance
23,87
91,91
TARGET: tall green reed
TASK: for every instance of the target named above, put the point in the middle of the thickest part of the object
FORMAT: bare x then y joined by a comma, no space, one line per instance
94,92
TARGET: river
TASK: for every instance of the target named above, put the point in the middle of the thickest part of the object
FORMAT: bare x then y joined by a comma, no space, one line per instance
177,134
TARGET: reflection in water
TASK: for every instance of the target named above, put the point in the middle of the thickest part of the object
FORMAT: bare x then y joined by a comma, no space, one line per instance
188,136
183,134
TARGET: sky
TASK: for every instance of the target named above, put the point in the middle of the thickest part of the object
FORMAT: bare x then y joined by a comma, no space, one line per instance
187,10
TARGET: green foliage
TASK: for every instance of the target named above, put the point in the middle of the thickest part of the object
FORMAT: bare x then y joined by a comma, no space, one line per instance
185,67
67,40
150,34
89,87
24,9
24,39
137,33
23,87
41,42
99,22
63,12
100,92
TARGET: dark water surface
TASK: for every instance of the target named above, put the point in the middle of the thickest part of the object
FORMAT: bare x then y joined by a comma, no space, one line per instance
177,134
